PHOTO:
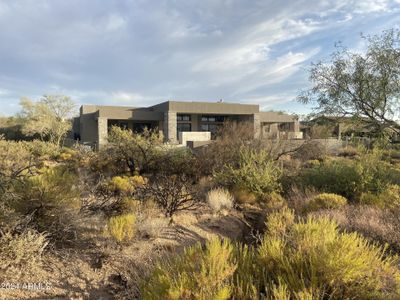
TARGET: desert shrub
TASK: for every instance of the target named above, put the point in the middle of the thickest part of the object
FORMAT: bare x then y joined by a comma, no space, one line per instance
349,178
273,201
51,199
197,274
152,227
126,185
309,259
254,171
44,150
219,199
312,150
376,224
172,193
136,152
122,228
313,256
325,201
243,196
20,253
349,152
388,198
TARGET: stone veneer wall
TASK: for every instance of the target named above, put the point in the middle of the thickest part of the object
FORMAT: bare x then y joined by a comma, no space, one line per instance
102,131
170,126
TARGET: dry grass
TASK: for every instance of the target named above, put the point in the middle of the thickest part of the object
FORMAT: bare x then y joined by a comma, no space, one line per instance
376,224
21,253
219,199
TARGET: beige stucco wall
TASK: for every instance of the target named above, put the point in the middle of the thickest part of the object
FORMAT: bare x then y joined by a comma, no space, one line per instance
194,136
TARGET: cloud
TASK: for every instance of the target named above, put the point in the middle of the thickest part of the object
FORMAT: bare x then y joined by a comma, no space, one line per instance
136,52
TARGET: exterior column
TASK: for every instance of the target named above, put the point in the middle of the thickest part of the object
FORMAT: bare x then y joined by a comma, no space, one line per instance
257,125
296,126
102,131
170,126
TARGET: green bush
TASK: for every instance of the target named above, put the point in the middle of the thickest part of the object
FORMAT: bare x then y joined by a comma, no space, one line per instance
254,171
350,178
389,198
325,201
122,228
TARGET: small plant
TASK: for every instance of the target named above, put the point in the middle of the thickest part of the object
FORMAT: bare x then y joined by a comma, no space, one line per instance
219,199
243,196
20,252
122,228
325,201
172,193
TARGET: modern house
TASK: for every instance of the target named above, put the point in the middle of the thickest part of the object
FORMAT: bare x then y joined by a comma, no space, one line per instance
181,121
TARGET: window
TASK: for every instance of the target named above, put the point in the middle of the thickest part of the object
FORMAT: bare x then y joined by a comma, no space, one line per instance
213,119
183,127
183,118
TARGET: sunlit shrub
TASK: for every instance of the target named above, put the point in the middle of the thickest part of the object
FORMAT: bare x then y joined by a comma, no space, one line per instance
219,199
126,185
254,171
325,201
197,274
313,255
122,228
309,259
50,199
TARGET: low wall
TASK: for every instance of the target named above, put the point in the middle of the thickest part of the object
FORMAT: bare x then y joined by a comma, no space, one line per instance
194,136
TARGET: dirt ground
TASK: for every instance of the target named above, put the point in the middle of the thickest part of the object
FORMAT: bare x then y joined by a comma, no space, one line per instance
95,268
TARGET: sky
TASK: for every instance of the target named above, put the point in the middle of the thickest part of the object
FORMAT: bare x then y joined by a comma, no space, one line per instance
142,52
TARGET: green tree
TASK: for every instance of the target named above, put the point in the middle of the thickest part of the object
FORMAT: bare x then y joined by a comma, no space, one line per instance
137,151
50,117
364,86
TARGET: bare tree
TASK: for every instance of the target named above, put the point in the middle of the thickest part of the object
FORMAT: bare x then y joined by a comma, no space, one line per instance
172,193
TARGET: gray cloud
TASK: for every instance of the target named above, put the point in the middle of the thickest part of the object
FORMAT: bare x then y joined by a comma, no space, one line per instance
137,52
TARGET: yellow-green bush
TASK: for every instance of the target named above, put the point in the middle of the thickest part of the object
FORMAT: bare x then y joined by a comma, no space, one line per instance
197,274
126,185
313,256
309,259
50,199
122,228
350,178
255,171
325,201
389,198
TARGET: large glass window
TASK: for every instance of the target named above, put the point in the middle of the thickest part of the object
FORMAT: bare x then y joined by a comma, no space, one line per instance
183,127
219,119
183,118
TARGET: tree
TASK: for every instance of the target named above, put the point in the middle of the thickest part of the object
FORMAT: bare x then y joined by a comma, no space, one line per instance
137,151
364,86
50,117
